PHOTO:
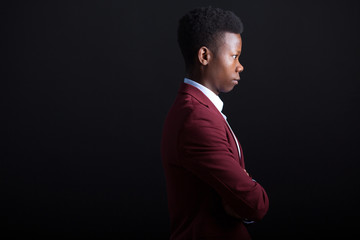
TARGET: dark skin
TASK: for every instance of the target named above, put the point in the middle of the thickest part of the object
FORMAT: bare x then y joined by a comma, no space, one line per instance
219,70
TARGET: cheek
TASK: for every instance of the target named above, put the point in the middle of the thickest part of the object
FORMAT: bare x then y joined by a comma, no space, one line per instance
230,64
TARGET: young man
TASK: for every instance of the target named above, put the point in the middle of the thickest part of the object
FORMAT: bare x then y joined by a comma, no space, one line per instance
210,194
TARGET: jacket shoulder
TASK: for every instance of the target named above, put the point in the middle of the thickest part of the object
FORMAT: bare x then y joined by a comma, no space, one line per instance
194,107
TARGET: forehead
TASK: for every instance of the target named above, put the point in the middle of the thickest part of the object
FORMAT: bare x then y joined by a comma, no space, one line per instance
230,41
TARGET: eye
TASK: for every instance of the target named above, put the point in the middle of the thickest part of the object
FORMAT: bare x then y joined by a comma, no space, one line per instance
235,56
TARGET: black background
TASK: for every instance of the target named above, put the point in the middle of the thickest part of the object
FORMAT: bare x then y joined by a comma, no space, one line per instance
86,85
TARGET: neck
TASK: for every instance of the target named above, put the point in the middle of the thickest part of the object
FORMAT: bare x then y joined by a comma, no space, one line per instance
198,76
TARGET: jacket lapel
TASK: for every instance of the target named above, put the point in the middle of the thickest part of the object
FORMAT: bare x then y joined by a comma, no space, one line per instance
201,97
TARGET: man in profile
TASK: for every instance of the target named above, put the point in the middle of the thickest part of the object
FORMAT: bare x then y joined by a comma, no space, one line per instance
210,194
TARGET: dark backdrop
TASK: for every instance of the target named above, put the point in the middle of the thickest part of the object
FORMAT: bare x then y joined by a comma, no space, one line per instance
86,85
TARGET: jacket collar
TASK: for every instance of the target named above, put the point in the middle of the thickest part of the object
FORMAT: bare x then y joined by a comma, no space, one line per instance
208,93
199,95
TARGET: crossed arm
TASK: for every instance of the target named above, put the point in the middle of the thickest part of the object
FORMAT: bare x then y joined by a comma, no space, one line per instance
207,154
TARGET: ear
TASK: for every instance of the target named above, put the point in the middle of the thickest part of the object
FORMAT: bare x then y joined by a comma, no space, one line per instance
204,55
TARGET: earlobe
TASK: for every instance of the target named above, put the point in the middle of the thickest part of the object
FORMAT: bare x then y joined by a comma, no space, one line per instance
204,55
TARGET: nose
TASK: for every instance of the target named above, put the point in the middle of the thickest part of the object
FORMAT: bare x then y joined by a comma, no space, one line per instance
239,68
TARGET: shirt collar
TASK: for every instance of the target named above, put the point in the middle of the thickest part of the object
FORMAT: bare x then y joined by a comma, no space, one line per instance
210,94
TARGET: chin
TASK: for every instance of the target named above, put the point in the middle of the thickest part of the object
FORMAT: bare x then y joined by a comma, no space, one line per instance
230,88
227,90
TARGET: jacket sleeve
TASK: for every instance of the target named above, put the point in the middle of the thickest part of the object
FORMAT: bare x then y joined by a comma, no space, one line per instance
206,153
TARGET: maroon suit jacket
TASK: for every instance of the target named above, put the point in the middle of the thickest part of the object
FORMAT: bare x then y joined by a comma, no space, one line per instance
203,169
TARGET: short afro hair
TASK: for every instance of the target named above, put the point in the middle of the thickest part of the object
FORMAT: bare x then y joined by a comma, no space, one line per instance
202,27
